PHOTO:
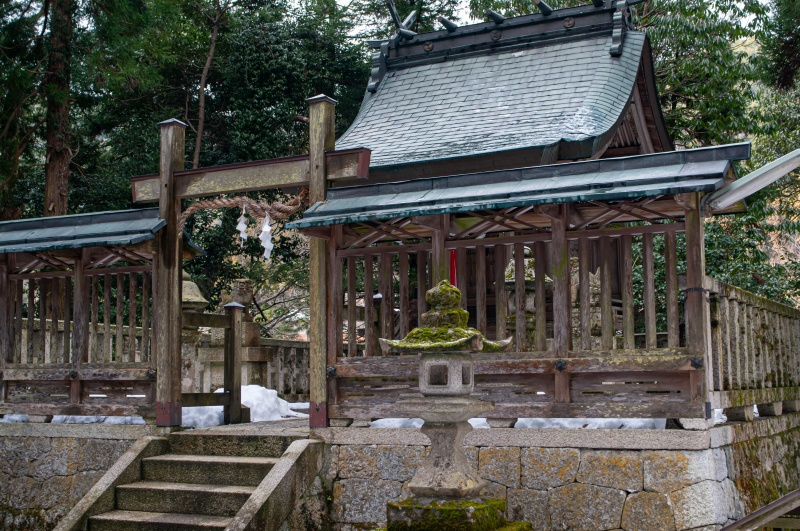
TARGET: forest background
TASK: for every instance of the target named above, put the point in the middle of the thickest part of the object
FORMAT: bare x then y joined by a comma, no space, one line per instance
83,84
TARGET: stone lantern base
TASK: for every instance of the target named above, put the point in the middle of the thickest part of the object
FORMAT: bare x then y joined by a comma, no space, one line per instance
416,514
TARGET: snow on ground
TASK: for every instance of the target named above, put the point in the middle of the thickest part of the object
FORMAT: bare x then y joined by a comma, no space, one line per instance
264,405
633,424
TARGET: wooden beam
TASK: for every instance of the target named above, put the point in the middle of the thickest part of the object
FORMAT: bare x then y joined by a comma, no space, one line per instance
321,138
232,414
80,313
287,172
168,280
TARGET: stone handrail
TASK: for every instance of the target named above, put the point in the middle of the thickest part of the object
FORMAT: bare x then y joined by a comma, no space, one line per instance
754,350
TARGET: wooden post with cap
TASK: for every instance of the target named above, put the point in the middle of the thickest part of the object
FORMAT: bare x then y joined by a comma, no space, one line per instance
168,280
321,138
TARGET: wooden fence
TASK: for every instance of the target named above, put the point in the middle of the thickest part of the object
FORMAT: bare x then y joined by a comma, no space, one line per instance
755,350
44,375
627,355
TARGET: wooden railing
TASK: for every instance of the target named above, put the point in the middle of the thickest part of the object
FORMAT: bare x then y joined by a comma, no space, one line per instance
231,397
755,351
45,375
628,352
287,370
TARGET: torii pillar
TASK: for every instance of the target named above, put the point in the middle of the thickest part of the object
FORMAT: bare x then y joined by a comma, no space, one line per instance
321,138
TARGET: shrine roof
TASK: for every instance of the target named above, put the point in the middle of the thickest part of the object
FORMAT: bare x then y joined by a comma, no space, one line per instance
538,88
618,179
99,229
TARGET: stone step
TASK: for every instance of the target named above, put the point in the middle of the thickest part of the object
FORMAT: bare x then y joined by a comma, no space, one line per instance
150,521
186,498
198,442
209,469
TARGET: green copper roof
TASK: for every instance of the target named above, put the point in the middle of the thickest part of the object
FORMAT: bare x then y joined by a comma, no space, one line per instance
101,229
532,83
627,178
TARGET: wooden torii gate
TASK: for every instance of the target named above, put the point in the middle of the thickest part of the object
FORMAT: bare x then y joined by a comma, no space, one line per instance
173,183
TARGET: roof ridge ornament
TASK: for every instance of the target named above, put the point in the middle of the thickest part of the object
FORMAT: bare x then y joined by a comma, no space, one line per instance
544,9
622,23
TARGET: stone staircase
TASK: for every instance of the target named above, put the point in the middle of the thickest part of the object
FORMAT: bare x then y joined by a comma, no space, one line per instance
206,481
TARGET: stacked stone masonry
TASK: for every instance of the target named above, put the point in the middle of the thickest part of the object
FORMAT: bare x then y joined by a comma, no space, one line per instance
582,489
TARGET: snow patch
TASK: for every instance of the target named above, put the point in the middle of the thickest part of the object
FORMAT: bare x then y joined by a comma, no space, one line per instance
264,405
590,424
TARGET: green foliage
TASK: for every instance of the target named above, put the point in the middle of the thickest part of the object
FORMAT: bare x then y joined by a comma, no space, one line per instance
374,22
781,44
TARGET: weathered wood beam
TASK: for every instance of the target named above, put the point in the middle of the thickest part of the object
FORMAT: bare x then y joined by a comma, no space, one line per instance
168,280
232,414
321,139
287,172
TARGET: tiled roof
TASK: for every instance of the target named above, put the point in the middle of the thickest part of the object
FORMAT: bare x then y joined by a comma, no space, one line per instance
100,229
564,93
625,178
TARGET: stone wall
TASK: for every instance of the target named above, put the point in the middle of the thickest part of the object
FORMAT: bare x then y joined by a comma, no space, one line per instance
45,469
553,480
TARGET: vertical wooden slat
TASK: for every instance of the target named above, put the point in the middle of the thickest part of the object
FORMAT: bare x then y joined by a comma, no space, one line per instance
671,266
461,275
107,354
540,299
352,308
120,354
628,331
439,262
585,292
93,353
56,353
500,294
480,288
146,316
43,287
67,318
18,324
560,266
133,355
649,294
335,316
422,285
30,352
725,347
6,313
698,319
606,310
369,308
403,294
385,277
519,296
335,305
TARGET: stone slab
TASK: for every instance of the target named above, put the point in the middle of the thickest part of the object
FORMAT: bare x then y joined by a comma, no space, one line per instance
530,437
82,431
445,515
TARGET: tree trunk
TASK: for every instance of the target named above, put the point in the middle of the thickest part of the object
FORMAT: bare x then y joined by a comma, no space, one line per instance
57,89
201,111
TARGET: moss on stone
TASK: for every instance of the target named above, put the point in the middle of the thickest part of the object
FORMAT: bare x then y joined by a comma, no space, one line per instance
455,515
517,526
445,318
444,328
443,295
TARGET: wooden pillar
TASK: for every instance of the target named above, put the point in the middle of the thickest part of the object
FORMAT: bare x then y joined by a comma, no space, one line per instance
80,324
320,138
562,308
232,377
698,316
562,314
168,280
439,262
6,313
